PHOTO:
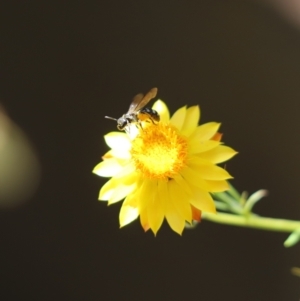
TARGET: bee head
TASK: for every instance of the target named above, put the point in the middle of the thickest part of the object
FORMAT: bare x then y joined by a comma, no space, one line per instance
121,123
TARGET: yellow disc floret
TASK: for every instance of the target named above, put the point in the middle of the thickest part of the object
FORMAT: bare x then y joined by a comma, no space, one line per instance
159,151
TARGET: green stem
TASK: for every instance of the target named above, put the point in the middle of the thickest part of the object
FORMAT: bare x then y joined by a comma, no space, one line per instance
253,221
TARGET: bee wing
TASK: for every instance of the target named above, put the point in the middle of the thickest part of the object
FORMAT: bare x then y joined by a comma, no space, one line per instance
135,102
139,101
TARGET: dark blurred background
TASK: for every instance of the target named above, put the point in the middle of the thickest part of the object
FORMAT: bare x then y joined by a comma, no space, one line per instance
65,65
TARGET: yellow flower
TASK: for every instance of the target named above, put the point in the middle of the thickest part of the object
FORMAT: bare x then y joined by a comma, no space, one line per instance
165,170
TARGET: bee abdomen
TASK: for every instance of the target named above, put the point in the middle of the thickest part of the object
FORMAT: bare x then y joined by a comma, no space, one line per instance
148,113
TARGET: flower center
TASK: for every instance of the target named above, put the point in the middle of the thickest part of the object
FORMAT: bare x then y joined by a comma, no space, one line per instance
159,152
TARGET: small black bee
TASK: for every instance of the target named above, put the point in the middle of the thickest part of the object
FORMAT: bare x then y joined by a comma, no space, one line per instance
137,113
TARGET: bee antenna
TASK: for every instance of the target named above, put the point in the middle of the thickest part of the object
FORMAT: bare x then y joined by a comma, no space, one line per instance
107,117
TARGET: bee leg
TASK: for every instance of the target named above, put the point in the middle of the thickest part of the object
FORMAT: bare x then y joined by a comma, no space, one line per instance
152,120
127,130
139,125
149,120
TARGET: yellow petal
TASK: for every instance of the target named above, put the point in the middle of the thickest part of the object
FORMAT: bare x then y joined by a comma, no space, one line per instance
178,118
194,178
217,186
120,192
107,190
155,209
180,199
144,194
120,154
219,154
107,155
129,179
199,147
191,120
143,198
182,183
207,170
203,201
126,170
144,219
128,212
161,108
107,168
174,219
117,140
205,131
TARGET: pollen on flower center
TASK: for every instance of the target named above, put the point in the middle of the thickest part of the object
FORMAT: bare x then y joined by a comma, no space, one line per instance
159,152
